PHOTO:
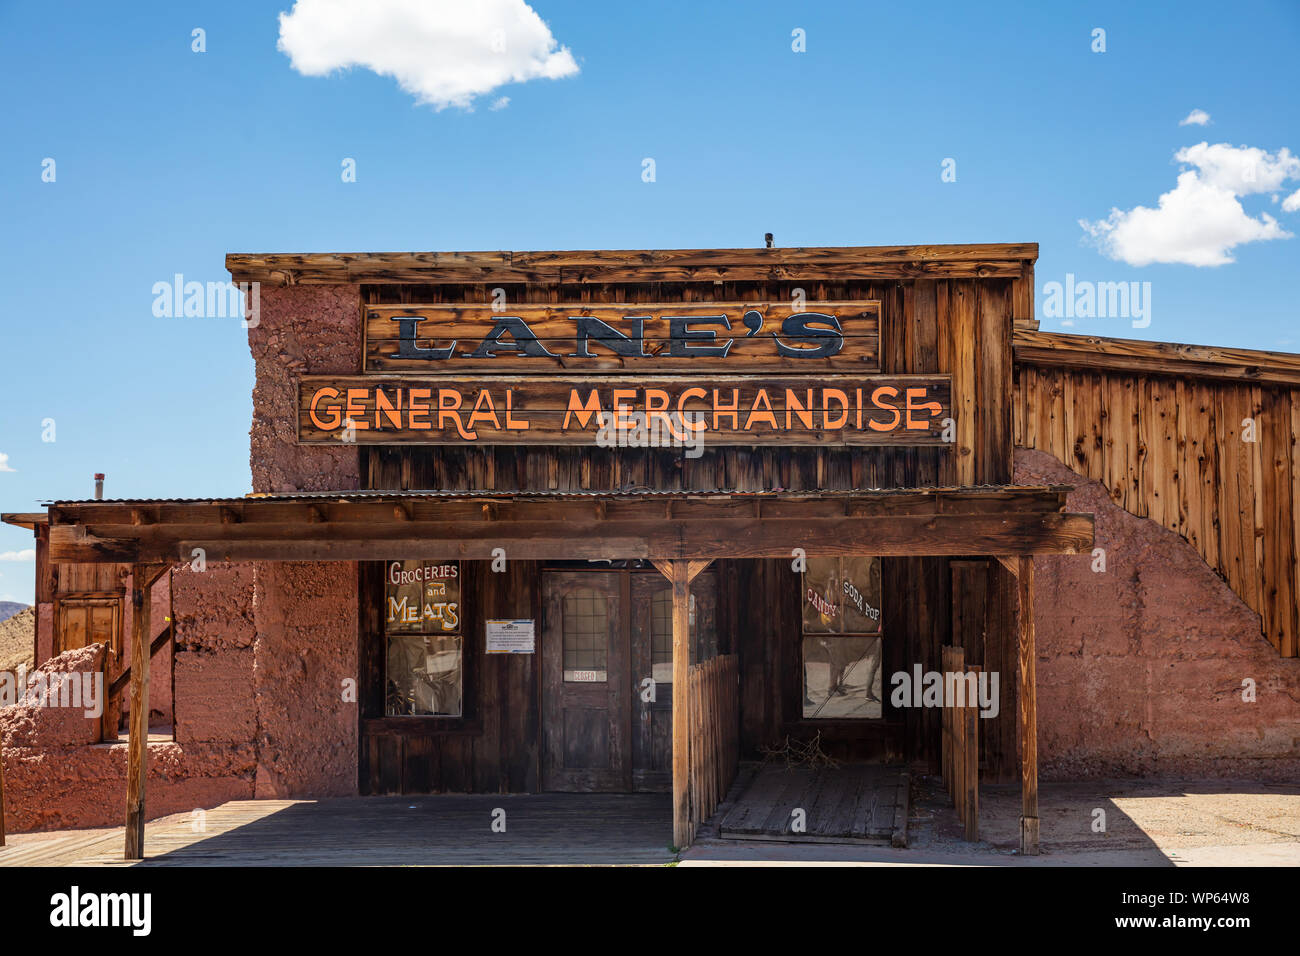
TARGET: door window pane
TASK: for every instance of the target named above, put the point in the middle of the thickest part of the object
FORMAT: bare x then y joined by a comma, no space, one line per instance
586,623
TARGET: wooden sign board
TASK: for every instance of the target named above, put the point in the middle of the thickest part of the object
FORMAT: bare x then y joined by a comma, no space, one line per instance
616,410
717,337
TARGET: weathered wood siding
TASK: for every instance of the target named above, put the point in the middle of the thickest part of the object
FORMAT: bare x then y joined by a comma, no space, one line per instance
955,320
1173,448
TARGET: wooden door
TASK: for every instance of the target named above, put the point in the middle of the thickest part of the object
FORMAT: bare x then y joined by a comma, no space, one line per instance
652,669
585,682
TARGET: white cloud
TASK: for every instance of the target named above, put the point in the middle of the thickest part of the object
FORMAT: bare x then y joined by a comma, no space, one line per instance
500,104
27,554
1241,169
4,463
442,52
1201,220
1195,118
1292,202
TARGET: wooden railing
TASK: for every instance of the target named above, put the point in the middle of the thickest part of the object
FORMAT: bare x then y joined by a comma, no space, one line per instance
714,688
961,746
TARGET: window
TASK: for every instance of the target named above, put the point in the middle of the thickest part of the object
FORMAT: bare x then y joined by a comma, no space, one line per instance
425,648
586,636
85,621
704,632
841,638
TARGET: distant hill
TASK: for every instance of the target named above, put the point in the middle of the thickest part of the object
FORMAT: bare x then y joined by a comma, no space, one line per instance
9,608
16,639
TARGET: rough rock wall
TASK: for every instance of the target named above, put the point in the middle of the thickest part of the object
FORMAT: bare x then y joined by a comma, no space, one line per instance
1141,667
302,330
263,649
306,617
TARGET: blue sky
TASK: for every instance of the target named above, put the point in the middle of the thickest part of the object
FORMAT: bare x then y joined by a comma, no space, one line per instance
167,159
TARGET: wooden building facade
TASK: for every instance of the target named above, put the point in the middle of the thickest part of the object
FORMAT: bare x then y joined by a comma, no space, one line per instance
550,597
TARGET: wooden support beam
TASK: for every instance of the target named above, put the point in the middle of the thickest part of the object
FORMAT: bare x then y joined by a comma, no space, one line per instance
1028,713
534,537
124,678
142,578
1011,564
678,572
693,568
2,794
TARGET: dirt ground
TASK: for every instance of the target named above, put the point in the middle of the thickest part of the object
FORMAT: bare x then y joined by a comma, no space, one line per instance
16,636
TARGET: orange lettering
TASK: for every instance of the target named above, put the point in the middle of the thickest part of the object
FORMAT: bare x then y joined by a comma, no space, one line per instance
513,424
766,415
733,409
681,401
875,400
357,412
385,407
934,408
490,415
449,399
335,420
583,412
802,412
414,408
620,409
839,396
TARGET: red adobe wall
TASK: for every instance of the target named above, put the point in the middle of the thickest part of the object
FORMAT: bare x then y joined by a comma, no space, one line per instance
263,649
1140,667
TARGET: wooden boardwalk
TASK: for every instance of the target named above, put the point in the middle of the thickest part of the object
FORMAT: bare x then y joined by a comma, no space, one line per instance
444,830
853,803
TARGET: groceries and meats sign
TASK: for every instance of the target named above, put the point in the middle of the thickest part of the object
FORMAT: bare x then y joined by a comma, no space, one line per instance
723,373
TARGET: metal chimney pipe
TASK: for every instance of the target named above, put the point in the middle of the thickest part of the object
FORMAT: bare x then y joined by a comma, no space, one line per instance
99,487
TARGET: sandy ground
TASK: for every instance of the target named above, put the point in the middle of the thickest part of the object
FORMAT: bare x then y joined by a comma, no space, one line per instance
16,636
1146,823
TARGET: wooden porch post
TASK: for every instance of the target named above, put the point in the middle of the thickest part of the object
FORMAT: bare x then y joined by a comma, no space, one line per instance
681,705
2,795
681,573
1028,711
142,579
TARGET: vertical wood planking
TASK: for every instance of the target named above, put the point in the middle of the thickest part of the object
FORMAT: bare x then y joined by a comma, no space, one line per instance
1171,449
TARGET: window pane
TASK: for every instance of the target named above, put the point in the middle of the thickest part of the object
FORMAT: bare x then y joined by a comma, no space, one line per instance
586,635
842,596
424,676
661,636
841,676
421,597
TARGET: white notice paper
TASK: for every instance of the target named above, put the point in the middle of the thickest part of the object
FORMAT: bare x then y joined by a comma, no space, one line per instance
510,637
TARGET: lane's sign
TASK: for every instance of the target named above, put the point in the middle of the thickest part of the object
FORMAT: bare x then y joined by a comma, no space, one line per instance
728,337
723,410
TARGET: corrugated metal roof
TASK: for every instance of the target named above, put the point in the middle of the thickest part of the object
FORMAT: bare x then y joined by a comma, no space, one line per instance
361,495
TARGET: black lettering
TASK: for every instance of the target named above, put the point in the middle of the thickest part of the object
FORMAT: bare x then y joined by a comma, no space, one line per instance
799,328
681,335
525,343
407,348
608,336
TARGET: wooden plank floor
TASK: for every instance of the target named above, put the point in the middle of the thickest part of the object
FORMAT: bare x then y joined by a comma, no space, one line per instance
852,803
451,830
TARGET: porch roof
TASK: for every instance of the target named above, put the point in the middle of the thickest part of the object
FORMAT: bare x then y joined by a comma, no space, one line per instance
373,525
